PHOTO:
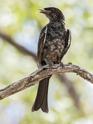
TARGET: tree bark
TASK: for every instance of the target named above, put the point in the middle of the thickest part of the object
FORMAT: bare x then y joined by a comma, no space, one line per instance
42,73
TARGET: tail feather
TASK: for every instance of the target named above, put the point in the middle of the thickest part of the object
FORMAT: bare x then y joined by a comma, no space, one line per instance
42,96
44,106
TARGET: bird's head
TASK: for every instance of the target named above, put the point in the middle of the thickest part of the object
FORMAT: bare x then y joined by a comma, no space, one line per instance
54,14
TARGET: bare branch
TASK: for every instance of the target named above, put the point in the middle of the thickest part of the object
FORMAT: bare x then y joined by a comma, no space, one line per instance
41,74
19,47
68,83
25,51
71,89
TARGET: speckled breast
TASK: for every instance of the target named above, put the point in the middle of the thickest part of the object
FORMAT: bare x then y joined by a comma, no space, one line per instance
53,50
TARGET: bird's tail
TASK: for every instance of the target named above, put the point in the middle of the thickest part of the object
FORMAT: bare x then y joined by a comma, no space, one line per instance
41,100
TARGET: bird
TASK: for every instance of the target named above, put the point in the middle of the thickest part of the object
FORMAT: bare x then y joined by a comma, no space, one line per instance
54,42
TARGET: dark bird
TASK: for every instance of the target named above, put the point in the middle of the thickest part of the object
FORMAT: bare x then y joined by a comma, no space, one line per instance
53,44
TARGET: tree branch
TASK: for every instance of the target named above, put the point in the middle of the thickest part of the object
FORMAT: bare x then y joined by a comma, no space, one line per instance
19,47
68,83
41,74
71,89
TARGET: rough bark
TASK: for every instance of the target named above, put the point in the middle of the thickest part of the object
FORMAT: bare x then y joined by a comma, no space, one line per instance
42,73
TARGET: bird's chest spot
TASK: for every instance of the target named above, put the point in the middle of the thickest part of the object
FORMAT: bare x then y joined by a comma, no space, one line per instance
53,49
54,45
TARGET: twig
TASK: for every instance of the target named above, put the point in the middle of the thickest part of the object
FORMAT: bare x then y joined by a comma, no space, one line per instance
41,74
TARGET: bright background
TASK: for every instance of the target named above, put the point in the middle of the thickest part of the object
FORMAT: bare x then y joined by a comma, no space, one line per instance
21,20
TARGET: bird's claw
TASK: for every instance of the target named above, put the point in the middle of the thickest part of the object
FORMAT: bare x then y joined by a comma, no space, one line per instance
46,67
61,64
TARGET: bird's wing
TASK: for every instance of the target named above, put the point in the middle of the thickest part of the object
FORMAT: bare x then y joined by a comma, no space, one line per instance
67,41
41,43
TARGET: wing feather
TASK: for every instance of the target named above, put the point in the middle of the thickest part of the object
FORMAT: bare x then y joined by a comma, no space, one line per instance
41,43
67,42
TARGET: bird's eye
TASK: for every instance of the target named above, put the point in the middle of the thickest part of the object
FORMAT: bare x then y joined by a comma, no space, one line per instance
46,8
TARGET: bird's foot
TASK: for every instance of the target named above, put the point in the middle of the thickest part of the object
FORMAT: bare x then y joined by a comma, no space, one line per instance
45,67
61,64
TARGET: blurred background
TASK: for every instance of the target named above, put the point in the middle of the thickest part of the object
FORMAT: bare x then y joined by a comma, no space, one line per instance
70,97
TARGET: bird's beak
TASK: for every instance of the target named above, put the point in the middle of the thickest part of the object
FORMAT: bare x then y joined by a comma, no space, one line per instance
44,11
